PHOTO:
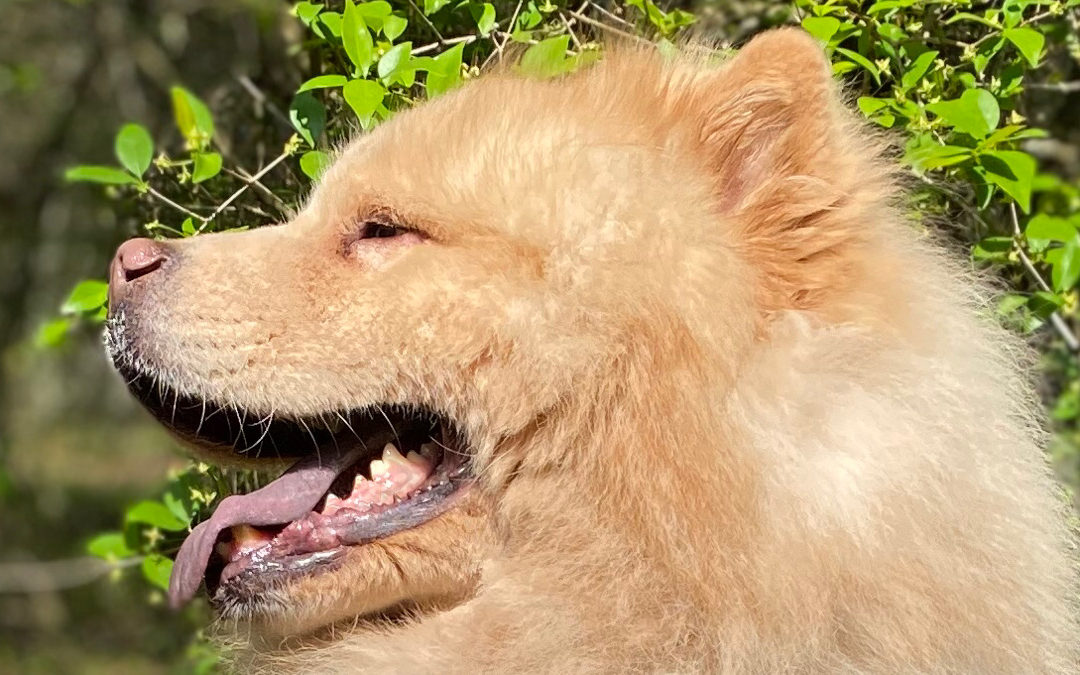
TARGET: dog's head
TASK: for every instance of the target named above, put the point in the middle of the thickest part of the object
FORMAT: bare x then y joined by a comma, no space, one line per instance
468,283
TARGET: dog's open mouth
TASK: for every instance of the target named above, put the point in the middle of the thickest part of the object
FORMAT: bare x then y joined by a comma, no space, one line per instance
360,476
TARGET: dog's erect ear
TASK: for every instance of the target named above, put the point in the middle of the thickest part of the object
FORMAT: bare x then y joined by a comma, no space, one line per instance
787,174
767,114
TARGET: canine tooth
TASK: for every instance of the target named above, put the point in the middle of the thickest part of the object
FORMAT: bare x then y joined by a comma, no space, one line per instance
391,455
418,459
333,503
378,468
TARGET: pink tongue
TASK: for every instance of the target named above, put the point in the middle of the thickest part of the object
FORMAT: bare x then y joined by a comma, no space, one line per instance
293,495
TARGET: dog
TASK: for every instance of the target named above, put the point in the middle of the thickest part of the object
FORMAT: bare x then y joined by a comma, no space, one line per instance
637,369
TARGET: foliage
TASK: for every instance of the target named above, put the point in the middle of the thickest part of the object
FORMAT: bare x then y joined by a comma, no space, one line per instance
947,79
952,77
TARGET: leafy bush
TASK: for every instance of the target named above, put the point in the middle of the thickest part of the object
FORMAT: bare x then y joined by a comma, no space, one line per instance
948,79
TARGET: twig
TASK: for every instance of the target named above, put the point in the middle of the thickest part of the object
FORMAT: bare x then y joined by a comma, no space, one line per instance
606,13
173,204
56,575
438,35
1063,87
509,33
570,30
1055,319
611,29
467,39
254,179
261,98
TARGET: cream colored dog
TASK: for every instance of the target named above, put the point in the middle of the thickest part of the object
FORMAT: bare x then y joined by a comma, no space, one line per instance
632,370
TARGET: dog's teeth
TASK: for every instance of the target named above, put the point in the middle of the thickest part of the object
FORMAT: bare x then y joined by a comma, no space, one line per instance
333,503
378,468
391,455
428,450
418,460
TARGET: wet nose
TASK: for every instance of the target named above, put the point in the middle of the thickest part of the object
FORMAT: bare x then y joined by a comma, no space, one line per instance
134,259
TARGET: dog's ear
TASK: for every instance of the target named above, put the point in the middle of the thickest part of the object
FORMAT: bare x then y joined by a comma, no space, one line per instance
766,114
786,166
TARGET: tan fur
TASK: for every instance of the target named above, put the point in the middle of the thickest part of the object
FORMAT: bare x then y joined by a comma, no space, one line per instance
729,413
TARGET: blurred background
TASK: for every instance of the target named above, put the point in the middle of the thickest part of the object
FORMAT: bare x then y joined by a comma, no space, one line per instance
74,449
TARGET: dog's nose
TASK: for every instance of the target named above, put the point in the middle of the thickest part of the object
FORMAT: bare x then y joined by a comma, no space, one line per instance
135,258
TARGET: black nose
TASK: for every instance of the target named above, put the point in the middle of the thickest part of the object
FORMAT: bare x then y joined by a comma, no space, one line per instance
134,259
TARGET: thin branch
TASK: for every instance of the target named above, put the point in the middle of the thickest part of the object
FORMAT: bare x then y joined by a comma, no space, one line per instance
1062,87
438,35
254,179
45,576
262,99
173,204
611,29
467,39
509,32
606,13
1055,319
570,30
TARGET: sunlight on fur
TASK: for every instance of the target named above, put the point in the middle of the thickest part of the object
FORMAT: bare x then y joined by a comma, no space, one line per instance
728,411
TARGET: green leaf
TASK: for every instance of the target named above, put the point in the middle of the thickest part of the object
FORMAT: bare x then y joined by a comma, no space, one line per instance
393,26
109,545
1028,41
870,105
394,62
484,16
432,6
87,296
356,38
1012,171
308,116
886,5
1044,304
307,11
99,174
328,24
975,113
1066,266
157,569
322,82
188,227
862,61
1044,227
175,505
207,165
193,118
52,333
364,97
994,249
134,148
374,13
155,514
938,156
444,73
914,74
1067,407
821,27
313,163
546,58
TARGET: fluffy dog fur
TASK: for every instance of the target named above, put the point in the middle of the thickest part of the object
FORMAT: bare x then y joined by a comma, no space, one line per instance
729,412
